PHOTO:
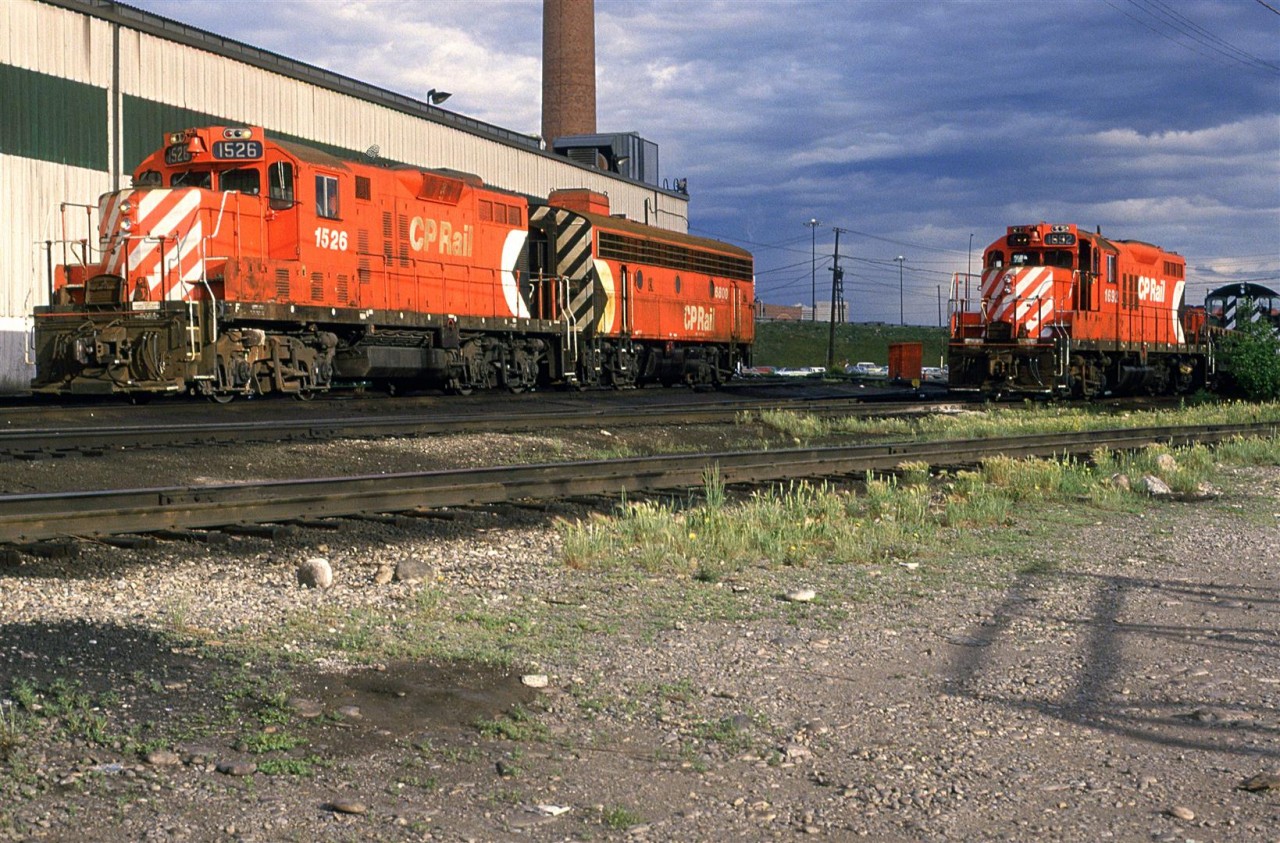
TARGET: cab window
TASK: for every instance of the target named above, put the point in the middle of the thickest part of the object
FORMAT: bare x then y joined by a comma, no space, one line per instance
280,185
1058,257
327,197
192,178
245,181
151,178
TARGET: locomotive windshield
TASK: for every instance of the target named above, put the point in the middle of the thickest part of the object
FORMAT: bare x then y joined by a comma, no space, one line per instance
1049,257
192,178
241,180
1058,257
245,181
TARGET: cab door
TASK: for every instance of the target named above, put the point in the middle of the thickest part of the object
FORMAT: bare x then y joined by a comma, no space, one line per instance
283,220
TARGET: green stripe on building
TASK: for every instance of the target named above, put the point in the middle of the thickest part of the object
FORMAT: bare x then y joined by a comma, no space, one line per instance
145,123
52,119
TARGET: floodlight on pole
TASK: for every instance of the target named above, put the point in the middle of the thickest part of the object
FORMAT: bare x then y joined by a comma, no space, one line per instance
813,268
435,97
902,318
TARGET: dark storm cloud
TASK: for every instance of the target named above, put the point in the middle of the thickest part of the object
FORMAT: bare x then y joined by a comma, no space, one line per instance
912,124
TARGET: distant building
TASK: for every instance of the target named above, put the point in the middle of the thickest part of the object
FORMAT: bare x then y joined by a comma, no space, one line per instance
824,312
780,312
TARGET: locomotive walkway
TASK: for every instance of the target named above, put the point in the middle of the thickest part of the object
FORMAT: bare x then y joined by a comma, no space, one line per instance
41,517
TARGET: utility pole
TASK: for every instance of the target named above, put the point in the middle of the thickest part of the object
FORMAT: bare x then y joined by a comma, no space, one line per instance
939,305
970,270
837,292
813,224
902,318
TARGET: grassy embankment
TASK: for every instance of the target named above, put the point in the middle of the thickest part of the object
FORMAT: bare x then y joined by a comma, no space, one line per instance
805,343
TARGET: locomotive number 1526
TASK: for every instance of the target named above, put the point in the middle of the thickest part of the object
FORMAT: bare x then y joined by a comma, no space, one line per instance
331,238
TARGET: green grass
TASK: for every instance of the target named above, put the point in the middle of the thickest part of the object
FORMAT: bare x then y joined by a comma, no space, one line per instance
892,518
303,767
514,725
1009,421
64,707
617,817
263,742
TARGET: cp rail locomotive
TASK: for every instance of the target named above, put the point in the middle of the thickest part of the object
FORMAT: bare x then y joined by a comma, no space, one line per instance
1062,312
241,264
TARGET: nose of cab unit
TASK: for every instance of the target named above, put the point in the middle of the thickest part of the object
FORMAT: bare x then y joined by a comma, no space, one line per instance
154,238
1021,298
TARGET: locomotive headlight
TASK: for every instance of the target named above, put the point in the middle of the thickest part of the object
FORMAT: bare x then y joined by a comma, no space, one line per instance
126,225
125,207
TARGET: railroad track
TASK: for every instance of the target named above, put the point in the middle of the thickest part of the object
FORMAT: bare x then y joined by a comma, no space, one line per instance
41,517
33,442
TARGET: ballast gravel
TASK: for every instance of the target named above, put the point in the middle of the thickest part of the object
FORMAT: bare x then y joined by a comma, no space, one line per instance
1113,677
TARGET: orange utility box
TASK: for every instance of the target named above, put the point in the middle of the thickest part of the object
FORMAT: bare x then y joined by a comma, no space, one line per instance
905,360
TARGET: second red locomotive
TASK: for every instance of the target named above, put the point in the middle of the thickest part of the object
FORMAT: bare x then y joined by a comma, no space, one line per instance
1059,311
241,264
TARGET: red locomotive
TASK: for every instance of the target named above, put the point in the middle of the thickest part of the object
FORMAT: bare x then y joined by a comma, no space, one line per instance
1059,311
240,264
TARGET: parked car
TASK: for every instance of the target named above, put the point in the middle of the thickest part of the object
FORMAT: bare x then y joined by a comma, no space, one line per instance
867,369
802,372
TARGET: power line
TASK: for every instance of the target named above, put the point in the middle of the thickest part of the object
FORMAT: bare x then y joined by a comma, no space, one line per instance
1167,19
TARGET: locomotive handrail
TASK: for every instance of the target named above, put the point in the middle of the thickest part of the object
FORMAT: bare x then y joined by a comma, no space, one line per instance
572,336
62,210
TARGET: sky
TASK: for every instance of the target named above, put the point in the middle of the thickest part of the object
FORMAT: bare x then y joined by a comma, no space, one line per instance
915,127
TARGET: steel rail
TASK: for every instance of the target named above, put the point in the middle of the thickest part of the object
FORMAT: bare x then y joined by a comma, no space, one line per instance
29,518
26,442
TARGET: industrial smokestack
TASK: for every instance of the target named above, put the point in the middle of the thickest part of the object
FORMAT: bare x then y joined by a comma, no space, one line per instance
568,69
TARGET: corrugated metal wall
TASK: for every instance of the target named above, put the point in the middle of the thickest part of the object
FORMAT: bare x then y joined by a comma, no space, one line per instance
65,75
55,145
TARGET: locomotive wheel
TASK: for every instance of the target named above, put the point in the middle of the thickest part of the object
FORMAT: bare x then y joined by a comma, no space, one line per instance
306,384
1093,382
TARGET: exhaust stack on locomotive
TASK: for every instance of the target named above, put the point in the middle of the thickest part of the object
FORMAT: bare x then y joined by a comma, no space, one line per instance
240,264
1063,312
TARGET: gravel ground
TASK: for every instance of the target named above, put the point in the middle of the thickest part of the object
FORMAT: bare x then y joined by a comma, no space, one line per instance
1091,677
